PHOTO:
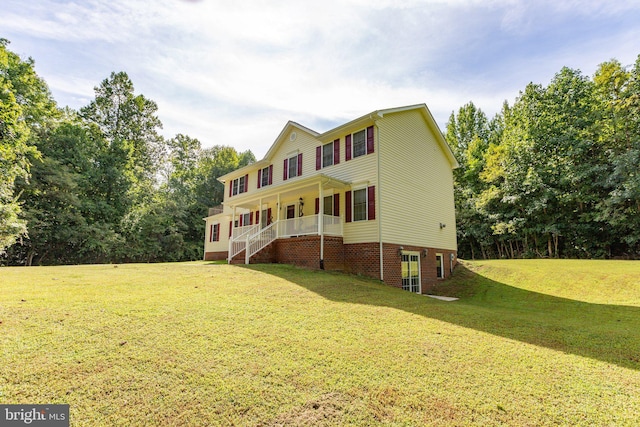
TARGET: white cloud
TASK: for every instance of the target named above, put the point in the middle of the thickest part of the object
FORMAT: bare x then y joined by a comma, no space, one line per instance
234,72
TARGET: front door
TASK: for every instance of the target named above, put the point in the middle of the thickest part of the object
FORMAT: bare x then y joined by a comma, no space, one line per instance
411,272
291,211
290,228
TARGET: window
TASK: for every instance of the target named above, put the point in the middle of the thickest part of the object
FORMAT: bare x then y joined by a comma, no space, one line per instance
361,204
328,205
439,266
245,219
265,176
359,147
359,143
214,233
327,155
292,167
239,185
331,205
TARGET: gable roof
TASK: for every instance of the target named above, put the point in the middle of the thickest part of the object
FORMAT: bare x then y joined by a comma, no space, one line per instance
266,160
330,134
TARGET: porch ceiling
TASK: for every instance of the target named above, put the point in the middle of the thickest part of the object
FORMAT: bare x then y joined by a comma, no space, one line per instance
291,189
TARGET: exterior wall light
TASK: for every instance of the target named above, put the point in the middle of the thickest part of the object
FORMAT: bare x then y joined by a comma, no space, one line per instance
442,226
425,252
400,249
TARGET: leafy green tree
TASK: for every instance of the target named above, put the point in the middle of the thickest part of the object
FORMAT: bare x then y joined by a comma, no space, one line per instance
468,135
26,107
135,150
619,99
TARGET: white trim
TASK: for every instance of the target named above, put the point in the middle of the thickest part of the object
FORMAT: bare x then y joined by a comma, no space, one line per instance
412,254
442,276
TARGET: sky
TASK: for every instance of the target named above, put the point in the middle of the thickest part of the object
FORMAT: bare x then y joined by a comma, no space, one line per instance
234,72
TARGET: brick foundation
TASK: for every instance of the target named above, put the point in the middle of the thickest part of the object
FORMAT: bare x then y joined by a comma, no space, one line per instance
428,267
362,258
356,258
216,256
304,251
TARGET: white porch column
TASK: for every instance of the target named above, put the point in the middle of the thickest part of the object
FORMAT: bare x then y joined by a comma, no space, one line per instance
233,220
278,217
321,224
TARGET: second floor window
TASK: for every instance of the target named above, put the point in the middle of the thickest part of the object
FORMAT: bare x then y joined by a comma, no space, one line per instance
292,167
239,185
359,147
265,176
327,155
360,143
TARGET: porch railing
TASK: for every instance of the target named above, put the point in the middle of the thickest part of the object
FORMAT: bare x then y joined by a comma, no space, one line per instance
298,226
332,225
257,241
238,241
242,231
253,239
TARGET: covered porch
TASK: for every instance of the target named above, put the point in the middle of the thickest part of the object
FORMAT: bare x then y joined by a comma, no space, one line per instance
307,207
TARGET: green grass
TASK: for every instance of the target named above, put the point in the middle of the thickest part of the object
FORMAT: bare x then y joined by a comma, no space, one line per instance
529,343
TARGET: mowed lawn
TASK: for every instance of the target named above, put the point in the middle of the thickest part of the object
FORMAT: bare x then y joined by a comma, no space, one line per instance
532,342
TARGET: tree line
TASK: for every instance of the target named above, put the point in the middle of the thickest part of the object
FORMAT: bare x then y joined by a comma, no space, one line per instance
99,184
556,174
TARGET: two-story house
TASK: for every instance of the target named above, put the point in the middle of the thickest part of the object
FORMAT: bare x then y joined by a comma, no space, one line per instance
373,196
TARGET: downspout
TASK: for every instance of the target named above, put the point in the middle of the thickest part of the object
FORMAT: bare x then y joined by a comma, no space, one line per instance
379,201
321,223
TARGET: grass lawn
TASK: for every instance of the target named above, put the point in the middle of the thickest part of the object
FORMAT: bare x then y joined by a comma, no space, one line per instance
546,342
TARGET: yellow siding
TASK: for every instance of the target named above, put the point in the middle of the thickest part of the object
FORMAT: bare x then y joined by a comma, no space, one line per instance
416,184
221,245
414,188
304,143
361,172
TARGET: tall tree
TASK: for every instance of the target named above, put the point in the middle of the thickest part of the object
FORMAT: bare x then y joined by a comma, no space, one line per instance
618,93
130,126
468,135
26,106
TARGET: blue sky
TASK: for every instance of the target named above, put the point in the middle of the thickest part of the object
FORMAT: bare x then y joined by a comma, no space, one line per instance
234,72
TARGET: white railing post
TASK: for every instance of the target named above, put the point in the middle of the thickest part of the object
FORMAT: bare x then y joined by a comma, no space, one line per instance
246,250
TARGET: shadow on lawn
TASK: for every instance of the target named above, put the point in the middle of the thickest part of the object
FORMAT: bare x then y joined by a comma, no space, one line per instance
609,333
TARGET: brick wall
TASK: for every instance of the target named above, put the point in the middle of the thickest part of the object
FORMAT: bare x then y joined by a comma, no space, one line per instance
362,258
215,256
333,253
265,256
304,251
357,258
428,266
